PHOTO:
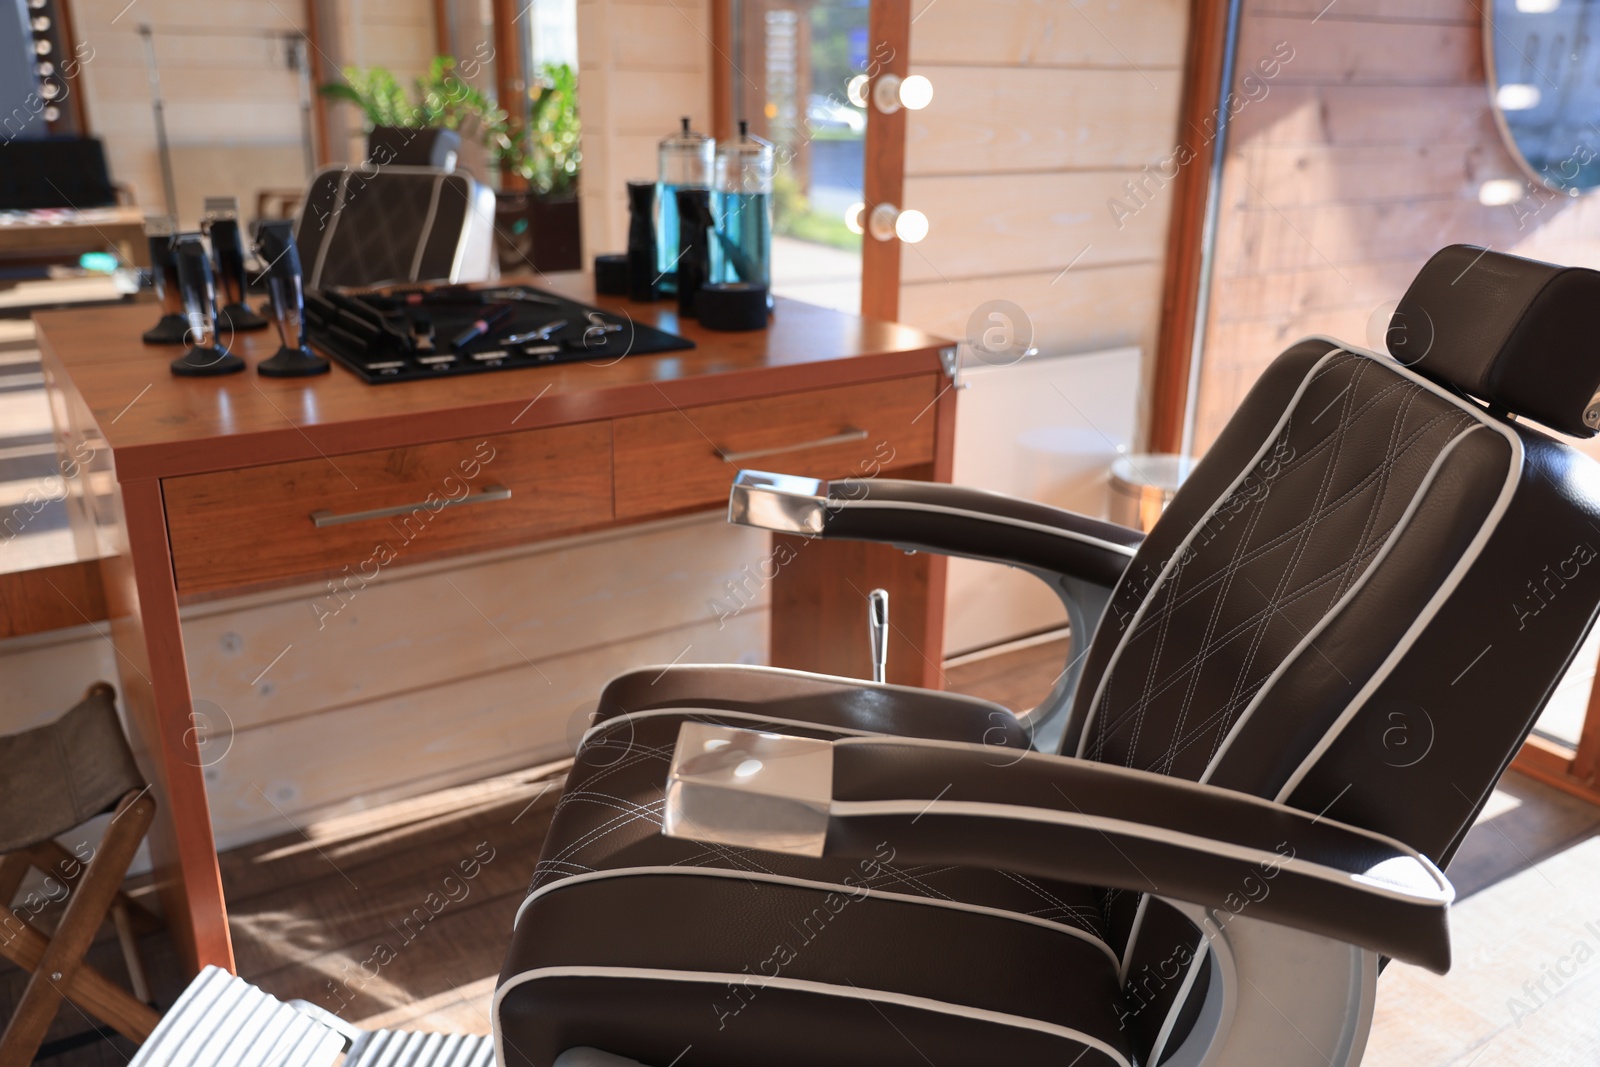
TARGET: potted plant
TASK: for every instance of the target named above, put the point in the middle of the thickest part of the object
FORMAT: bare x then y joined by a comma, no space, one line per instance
547,155
443,99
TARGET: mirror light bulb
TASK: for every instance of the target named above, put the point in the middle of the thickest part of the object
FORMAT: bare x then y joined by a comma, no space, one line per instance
1517,96
916,93
852,218
911,226
856,90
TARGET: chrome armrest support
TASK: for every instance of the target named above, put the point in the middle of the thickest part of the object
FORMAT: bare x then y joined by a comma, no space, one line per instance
1078,557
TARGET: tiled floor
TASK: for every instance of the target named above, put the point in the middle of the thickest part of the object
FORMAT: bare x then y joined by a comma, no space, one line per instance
311,909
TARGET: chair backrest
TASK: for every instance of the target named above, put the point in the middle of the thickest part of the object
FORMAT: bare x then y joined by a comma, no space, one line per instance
369,225
64,773
1364,595
55,172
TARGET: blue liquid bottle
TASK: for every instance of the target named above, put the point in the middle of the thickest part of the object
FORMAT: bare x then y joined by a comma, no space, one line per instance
684,161
741,209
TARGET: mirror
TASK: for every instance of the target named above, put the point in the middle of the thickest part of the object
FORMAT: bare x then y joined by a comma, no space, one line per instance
1544,82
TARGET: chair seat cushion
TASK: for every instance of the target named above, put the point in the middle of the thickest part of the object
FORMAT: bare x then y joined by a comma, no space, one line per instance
657,948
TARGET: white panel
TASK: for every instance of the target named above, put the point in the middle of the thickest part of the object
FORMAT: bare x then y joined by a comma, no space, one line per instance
1045,430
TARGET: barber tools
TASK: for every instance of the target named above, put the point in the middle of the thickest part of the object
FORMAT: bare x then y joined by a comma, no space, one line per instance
221,223
172,326
694,249
406,334
644,274
207,355
493,318
294,359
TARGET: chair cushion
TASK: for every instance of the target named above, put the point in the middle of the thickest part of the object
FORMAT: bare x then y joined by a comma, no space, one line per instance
647,946
64,773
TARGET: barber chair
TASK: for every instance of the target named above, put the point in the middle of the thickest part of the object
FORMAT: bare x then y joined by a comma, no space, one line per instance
377,225
1285,708
1304,684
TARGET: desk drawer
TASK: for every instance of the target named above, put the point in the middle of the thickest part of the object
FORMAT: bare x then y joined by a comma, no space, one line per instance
679,459
367,510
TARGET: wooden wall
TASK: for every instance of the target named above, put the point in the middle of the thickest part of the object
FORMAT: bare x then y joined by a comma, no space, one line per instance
431,676
232,99
642,64
228,89
1041,111
1365,155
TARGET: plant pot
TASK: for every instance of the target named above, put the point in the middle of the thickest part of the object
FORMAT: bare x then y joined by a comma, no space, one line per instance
407,147
513,231
555,232
537,233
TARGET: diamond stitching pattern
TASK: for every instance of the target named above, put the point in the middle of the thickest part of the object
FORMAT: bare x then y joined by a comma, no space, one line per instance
1351,456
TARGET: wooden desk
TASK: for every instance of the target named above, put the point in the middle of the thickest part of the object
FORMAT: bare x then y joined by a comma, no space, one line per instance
206,488
119,229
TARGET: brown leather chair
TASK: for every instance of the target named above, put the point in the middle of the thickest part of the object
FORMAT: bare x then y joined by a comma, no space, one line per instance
1300,691
57,777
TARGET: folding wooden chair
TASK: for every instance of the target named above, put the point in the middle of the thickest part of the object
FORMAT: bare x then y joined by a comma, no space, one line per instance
57,777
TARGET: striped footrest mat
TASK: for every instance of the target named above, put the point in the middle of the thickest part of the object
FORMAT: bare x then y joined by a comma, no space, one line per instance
224,1021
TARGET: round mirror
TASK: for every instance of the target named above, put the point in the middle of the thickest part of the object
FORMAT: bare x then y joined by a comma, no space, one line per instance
1544,83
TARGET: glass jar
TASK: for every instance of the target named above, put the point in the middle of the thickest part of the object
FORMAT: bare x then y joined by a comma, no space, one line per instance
741,207
684,161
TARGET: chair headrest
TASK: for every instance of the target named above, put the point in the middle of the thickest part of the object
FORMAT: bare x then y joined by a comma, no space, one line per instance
1515,333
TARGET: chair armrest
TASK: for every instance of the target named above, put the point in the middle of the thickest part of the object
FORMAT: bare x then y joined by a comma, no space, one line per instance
934,517
1066,819
1079,558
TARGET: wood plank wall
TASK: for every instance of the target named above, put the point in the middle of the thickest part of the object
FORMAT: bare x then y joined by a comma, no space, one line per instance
1041,112
230,89
1365,155
642,64
232,100
435,675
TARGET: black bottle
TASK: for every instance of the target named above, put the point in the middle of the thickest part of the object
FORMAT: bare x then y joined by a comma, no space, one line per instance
694,245
643,278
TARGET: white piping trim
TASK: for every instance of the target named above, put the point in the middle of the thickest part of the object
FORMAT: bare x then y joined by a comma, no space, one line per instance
811,676
1177,554
315,279
1133,938
1412,507
1446,588
470,195
1207,846
983,516
1138,776
1201,958
852,992
655,713
427,228
831,887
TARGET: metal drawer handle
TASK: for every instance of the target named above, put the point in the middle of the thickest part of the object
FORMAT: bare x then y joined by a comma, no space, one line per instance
849,433
323,518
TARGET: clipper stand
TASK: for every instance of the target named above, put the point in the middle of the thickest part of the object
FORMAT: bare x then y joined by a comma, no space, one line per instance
207,357
221,223
172,328
276,248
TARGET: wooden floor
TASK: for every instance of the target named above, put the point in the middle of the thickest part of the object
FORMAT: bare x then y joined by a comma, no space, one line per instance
374,916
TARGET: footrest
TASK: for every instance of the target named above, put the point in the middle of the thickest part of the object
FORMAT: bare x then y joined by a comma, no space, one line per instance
223,1021
408,1048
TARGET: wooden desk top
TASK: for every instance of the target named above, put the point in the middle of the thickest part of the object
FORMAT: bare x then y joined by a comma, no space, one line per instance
159,425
